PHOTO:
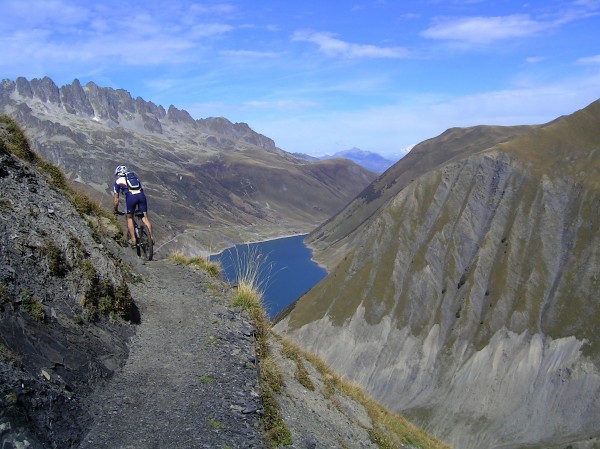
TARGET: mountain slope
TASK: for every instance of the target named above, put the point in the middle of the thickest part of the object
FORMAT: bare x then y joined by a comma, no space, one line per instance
463,286
209,181
330,238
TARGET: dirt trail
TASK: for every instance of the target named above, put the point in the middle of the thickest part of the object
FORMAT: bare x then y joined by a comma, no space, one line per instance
190,379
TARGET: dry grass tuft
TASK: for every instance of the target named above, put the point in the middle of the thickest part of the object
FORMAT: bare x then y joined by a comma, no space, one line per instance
292,351
249,296
212,268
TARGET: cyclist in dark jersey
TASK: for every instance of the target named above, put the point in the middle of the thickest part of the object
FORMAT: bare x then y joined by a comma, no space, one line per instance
133,198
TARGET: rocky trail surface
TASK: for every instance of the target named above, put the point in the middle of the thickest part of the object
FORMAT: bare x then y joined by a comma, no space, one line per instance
190,380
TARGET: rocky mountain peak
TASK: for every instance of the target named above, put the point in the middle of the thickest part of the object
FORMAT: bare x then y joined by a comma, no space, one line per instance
180,116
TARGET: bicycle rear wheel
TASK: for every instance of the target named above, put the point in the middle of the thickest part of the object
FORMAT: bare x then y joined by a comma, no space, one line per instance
145,246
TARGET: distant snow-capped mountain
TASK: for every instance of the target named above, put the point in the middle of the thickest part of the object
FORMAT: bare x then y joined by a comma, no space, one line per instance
367,159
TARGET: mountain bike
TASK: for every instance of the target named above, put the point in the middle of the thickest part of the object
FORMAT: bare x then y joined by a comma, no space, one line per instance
144,246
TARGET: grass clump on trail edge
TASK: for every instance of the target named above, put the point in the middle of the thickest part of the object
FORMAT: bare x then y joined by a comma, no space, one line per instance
15,142
249,296
101,296
212,268
291,352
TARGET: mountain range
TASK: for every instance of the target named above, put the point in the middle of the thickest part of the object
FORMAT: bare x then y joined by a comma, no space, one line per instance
210,182
463,286
367,159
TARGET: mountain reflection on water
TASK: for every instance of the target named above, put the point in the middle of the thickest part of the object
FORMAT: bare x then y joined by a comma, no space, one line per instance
284,266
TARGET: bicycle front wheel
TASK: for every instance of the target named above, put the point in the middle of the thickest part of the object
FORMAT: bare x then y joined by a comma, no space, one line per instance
145,244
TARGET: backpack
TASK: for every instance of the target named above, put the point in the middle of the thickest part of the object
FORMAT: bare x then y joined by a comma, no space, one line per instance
133,183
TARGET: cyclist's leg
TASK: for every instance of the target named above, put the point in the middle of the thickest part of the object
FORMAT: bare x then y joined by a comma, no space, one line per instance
130,203
143,208
148,225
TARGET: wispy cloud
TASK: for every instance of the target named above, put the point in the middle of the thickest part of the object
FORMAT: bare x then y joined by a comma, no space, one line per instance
483,30
475,30
250,54
62,32
39,12
334,47
591,60
534,59
216,9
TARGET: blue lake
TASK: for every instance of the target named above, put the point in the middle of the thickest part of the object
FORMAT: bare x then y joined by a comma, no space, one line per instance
284,269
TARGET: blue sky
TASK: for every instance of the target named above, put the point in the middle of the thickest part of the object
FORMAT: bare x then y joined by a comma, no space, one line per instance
321,76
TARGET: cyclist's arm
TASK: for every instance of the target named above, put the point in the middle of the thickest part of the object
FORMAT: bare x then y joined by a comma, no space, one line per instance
116,201
116,189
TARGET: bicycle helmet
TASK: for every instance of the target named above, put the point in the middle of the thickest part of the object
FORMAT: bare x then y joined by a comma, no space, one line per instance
121,170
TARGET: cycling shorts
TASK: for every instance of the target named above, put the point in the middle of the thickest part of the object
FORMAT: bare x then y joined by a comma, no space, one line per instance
136,199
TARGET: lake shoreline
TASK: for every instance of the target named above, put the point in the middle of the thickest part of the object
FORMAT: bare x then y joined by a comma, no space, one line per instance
257,241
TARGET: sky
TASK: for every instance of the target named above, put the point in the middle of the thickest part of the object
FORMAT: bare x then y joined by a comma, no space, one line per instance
322,76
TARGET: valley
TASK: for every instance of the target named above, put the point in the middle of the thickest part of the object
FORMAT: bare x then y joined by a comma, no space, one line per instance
462,283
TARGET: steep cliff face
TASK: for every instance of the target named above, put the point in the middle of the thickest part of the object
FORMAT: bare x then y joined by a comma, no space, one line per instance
468,299
208,180
62,297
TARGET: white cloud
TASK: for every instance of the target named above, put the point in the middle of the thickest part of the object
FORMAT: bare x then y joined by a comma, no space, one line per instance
60,32
534,59
331,46
483,30
251,54
591,60
39,12
216,9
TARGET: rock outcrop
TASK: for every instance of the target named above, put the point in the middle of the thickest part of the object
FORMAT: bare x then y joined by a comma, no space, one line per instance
66,312
463,286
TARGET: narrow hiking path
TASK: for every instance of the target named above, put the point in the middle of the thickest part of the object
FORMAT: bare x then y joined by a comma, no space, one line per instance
190,380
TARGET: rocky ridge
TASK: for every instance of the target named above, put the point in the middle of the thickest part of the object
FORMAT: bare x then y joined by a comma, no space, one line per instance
56,344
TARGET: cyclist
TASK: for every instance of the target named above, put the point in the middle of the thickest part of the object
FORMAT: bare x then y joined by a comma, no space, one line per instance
128,183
